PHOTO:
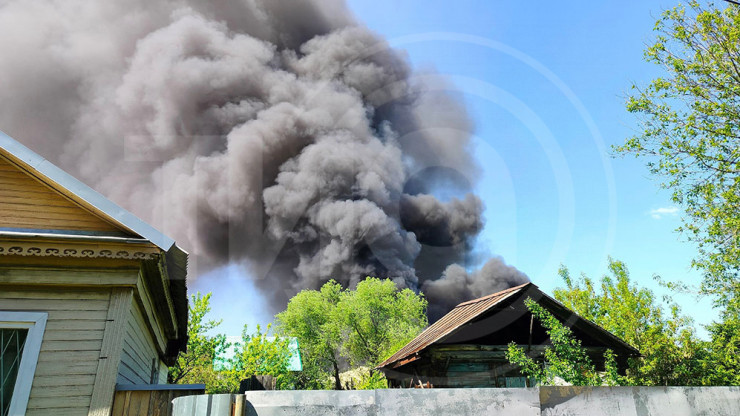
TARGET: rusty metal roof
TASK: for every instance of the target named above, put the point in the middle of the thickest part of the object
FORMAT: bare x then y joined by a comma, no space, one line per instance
468,311
463,313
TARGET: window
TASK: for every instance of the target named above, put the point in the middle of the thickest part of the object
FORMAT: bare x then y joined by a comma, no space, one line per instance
12,341
20,341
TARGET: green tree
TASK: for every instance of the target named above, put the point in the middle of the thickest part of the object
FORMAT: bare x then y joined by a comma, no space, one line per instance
690,132
671,352
722,357
376,319
196,365
260,354
309,317
360,327
257,354
565,359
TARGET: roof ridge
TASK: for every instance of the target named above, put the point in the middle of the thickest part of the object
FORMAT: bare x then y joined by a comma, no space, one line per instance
448,324
511,289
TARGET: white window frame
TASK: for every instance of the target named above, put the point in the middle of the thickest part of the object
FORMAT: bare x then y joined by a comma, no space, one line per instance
35,322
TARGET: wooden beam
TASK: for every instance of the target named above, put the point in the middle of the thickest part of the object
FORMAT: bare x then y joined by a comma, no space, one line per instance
146,303
110,354
67,277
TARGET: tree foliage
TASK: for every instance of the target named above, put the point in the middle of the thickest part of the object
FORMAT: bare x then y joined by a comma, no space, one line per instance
310,318
359,327
667,341
258,353
690,132
565,359
196,365
721,364
376,319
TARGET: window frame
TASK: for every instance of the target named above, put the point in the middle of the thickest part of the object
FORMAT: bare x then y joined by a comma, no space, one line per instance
35,322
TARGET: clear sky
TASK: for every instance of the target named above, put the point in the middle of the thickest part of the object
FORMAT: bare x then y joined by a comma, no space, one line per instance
545,83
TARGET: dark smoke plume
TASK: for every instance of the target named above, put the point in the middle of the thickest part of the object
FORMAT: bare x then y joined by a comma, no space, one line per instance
280,134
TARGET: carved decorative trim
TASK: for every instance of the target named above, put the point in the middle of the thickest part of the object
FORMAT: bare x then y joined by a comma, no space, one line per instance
44,249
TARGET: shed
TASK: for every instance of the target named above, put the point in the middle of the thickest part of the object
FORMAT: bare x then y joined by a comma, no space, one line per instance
467,347
90,295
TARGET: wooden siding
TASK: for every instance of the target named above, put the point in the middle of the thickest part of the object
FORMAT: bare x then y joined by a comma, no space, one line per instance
138,352
70,350
148,402
26,202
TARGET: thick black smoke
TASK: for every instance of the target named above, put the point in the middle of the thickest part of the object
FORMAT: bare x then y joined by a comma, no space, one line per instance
276,133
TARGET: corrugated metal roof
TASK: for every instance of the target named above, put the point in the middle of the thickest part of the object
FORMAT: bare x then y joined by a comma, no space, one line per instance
463,313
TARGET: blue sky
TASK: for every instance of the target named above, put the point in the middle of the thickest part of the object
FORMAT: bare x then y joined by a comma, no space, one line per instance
545,83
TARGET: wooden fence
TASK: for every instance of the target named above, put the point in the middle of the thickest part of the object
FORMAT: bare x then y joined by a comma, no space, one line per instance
150,399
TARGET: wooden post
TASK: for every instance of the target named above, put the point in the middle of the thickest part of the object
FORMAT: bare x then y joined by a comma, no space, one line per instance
529,345
110,352
237,406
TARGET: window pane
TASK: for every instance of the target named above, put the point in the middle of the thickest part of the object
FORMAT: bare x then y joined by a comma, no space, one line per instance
11,348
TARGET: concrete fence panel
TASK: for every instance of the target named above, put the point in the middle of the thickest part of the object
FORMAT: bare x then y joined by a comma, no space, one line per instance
544,401
204,405
311,403
457,402
640,401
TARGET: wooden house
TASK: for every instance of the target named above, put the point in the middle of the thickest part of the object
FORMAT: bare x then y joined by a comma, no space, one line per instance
90,295
467,347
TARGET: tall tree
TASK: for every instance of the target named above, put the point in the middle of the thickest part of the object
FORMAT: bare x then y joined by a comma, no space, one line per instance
690,132
359,327
377,319
671,352
722,357
310,317
196,365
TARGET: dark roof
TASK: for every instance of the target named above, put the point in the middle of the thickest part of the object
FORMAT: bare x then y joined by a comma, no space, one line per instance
457,317
468,311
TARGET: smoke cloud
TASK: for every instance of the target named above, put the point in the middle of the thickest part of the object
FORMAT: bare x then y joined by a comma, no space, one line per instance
456,283
280,134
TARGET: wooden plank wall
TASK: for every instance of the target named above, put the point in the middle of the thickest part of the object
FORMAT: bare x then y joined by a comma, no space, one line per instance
138,353
147,402
70,350
25,202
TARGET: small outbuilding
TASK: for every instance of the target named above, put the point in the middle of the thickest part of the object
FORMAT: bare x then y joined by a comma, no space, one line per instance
90,295
467,347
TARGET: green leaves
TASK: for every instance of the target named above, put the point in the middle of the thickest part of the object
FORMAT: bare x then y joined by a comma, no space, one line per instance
360,327
566,359
666,340
377,319
260,354
690,122
196,365
691,139
257,354
722,358
310,318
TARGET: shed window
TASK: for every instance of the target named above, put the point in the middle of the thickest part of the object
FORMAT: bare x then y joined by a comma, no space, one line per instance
21,334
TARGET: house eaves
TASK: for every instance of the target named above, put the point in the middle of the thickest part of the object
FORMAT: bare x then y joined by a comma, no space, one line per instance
81,193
